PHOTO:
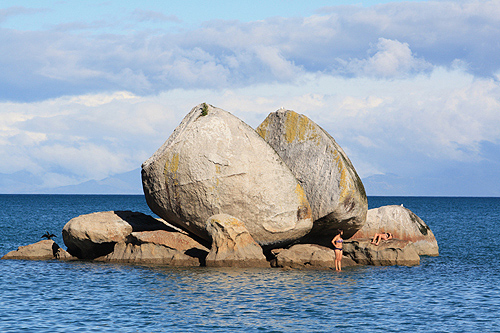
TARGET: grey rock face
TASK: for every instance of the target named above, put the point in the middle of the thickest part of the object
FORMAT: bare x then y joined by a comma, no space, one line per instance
308,256
232,245
213,163
333,188
403,224
387,253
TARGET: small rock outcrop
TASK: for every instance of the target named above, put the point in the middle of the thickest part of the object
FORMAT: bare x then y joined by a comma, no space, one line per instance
42,250
213,163
387,253
332,186
308,256
93,235
403,224
232,244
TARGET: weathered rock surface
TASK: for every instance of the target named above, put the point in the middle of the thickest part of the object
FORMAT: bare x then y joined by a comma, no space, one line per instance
93,235
42,250
214,163
232,244
387,253
149,253
333,188
309,256
171,239
404,224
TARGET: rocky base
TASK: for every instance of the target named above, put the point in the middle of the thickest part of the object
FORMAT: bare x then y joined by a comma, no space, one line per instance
308,256
387,253
128,237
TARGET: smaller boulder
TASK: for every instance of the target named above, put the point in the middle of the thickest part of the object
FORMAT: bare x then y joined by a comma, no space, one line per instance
149,253
93,235
308,256
174,240
232,244
403,224
387,253
42,250
178,240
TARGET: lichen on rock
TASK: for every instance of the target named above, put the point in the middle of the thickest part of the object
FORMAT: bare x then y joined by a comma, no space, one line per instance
332,186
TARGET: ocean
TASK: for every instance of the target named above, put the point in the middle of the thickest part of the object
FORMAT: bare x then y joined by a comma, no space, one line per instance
458,291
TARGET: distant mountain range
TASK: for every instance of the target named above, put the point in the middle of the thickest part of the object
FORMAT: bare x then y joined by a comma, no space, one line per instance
24,182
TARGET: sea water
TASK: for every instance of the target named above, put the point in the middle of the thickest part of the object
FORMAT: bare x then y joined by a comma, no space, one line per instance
458,291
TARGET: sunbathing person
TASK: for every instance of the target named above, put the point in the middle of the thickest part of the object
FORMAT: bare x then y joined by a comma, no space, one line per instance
383,236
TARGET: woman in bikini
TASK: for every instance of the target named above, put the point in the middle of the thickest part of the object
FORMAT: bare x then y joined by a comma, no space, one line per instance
383,236
337,247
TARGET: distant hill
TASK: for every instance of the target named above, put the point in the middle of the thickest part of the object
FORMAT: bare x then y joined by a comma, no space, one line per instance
24,182
123,183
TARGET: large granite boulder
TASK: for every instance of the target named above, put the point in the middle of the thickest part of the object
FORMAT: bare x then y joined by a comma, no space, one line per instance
403,224
308,256
333,188
387,253
42,250
213,163
93,235
232,245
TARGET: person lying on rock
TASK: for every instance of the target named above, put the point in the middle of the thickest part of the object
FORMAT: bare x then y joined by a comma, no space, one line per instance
383,236
337,248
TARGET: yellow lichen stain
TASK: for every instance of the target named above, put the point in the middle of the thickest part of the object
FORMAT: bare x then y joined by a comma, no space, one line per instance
217,173
300,128
262,129
304,210
172,165
345,184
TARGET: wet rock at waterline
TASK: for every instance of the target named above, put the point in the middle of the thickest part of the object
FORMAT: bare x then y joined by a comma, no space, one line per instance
214,163
403,224
232,245
332,186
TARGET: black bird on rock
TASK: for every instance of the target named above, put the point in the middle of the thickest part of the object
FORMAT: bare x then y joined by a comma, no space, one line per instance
48,235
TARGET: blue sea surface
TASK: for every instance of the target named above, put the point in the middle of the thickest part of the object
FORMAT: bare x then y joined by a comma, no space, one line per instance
457,291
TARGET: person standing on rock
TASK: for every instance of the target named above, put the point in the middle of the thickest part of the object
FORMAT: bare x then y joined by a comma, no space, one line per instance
337,248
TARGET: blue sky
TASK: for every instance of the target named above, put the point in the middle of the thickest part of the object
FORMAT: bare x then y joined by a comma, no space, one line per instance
409,89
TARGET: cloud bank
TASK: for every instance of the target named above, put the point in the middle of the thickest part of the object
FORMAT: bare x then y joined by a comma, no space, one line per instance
406,88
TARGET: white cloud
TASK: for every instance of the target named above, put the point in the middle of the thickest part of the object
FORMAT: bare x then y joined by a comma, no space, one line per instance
390,40
382,124
390,59
394,84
